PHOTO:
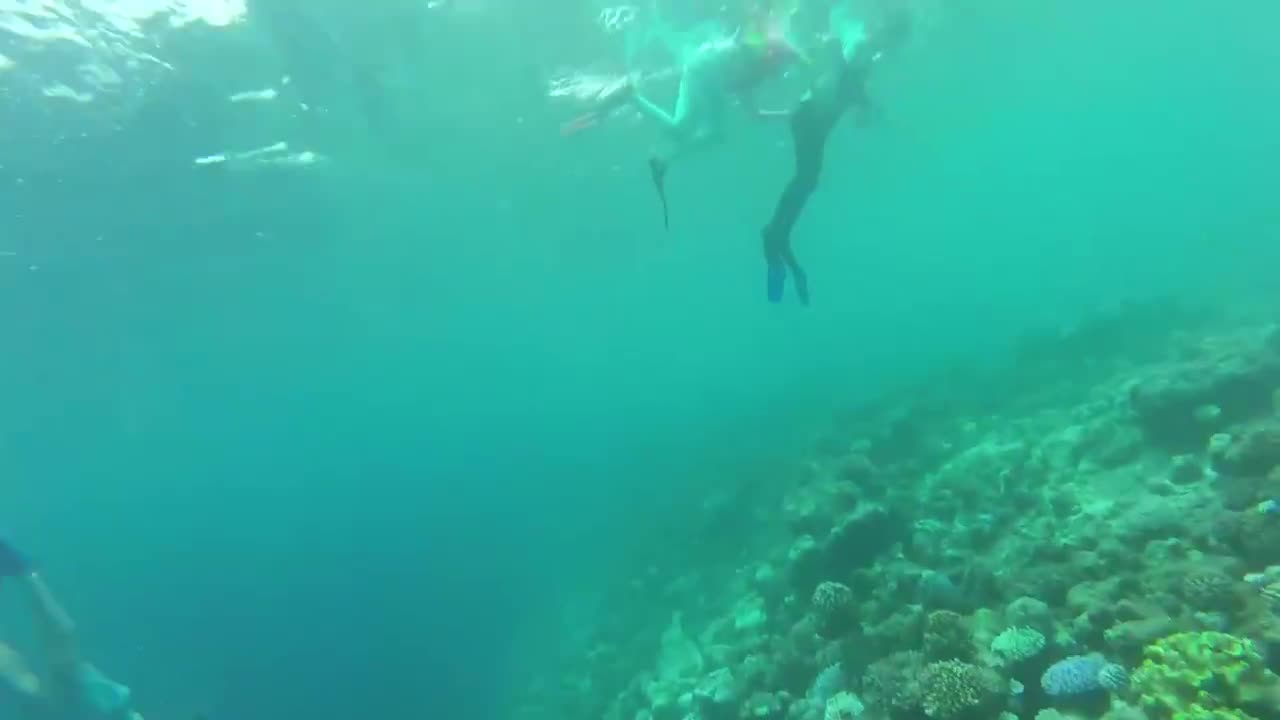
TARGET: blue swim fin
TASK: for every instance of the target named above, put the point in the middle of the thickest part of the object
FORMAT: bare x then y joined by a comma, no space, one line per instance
777,282
802,284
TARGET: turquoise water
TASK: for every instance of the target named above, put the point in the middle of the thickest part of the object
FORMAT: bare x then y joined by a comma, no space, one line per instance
369,436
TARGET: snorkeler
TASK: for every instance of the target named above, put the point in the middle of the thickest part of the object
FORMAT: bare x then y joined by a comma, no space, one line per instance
73,689
713,75
812,121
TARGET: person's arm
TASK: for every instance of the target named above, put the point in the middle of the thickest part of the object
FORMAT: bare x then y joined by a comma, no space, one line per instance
54,627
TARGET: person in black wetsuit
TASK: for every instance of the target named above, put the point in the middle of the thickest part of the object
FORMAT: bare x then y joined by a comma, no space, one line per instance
812,121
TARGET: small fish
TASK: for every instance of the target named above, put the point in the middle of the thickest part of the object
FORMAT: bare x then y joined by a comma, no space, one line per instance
1269,507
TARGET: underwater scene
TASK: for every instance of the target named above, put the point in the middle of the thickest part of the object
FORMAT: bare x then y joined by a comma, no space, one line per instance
639,359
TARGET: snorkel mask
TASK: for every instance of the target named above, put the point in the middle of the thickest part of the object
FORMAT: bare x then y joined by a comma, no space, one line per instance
772,46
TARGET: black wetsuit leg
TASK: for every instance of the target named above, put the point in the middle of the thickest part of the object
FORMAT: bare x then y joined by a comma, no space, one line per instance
809,131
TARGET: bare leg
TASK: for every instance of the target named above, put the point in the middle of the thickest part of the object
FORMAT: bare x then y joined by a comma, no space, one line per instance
694,112
651,110
73,685
72,682
57,634
14,670
57,631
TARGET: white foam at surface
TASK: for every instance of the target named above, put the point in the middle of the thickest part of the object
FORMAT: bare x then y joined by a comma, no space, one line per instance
130,14
107,37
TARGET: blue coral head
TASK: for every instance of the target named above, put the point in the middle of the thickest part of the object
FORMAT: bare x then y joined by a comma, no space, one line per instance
1076,675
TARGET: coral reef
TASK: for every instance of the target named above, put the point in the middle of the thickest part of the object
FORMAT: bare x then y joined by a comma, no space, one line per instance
829,683
947,636
844,706
833,605
1091,533
1017,644
1256,452
953,689
1206,674
1075,675
1113,677
893,683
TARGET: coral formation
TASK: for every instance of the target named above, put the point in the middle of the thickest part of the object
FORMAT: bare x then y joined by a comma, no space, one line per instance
1017,644
1075,675
829,683
893,682
947,636
1208,590
1113,677
954,689
1256,452
844,706
1072,537
1206,674
831,603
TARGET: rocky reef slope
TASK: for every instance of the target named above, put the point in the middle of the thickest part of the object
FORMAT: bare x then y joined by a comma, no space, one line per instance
1094,534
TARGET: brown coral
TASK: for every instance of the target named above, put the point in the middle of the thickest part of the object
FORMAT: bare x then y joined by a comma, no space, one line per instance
857,468
954,689
1254,454
833,607
892,683
1208,590
1256,536
947,636
830,597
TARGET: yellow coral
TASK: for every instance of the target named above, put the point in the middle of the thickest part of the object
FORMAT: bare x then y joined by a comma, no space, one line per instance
1203,676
